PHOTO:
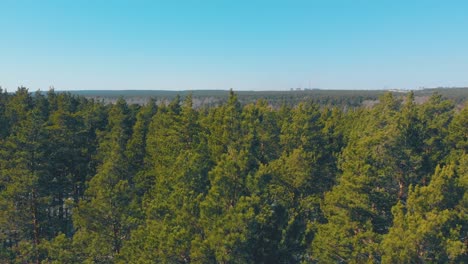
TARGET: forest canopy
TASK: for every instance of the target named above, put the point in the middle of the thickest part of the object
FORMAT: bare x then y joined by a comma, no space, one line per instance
82,181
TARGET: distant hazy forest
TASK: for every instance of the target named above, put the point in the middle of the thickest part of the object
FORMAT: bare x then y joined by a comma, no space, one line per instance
280,177
338,98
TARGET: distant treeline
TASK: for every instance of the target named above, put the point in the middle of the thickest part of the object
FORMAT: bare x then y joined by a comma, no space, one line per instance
341,98
82,181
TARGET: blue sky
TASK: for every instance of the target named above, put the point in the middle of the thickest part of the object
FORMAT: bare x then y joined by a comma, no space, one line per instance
245,45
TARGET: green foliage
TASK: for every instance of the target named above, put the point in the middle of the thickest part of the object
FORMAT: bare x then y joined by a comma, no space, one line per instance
245,181
428,228
106,216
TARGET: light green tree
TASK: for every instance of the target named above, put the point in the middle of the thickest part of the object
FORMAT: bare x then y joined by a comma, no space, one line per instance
431,226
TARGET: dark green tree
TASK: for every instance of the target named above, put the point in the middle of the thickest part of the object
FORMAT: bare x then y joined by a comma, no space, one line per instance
23,191
105,217
179,169
357,209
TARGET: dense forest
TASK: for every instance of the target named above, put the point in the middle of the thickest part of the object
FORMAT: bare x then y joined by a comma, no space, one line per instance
82,181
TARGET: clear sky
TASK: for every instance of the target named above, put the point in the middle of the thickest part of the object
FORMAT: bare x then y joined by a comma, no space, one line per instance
245,45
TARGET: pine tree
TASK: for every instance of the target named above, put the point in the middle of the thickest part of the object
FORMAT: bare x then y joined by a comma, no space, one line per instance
357,209
65,152
223,127
436,115
222,221
106,216
17,107
262,131
136,147
407,148
457,139
4,124
23,169
430,227
179,169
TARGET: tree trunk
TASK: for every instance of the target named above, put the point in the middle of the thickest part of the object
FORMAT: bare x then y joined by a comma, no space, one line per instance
401,191
35,223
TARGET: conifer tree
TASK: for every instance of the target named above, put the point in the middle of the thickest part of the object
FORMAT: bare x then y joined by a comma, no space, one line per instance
180,181
23,169
357,209
106,216
223,127
436,115
17,107
4,124
431,226
262,131
136,149
457,139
